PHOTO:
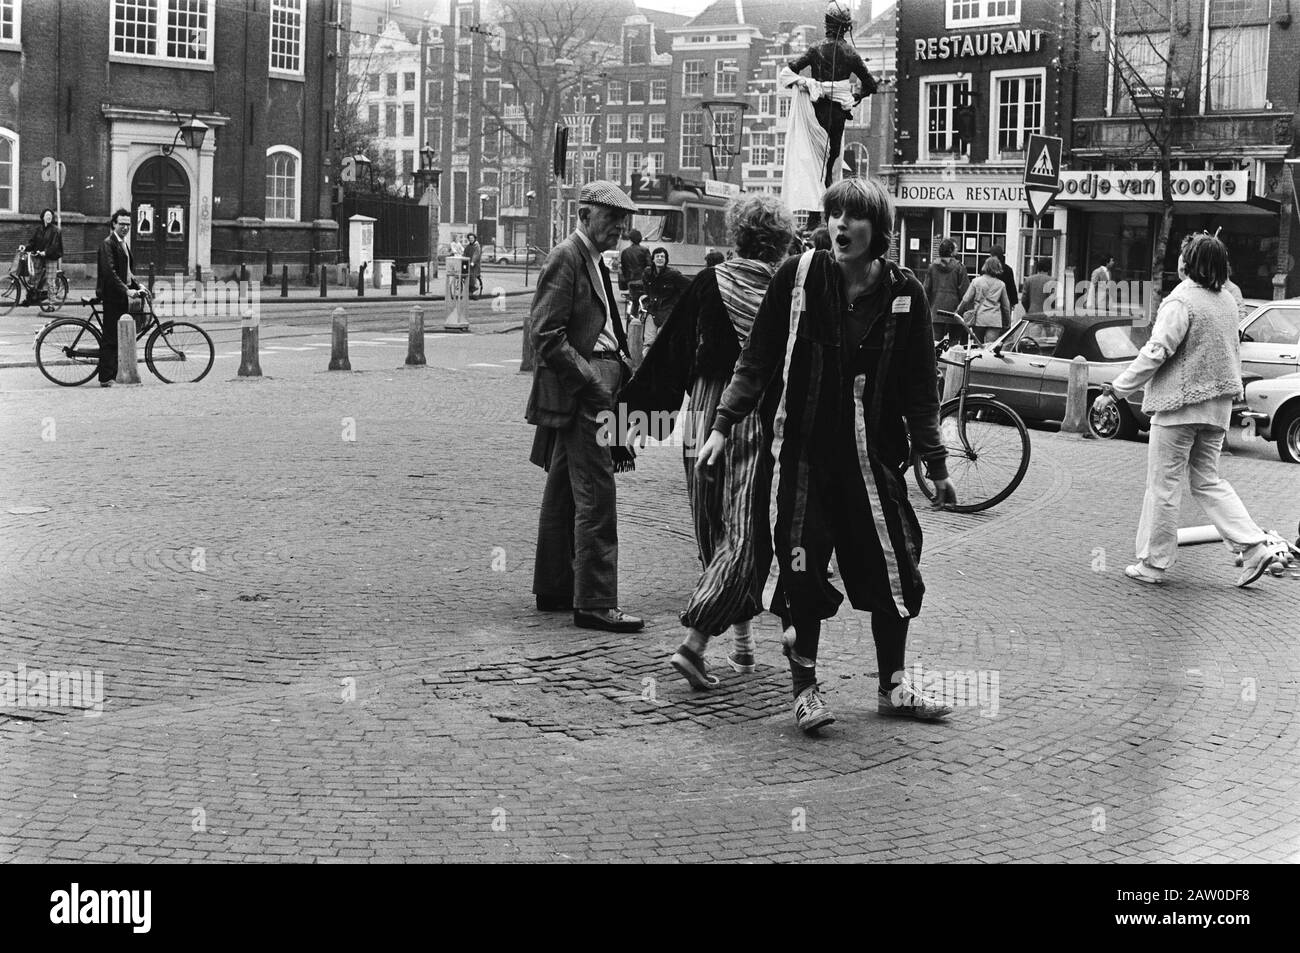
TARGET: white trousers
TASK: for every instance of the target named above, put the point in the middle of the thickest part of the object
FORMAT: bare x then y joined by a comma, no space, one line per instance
1188,453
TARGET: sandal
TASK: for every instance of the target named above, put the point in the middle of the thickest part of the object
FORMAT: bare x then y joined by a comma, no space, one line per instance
690,664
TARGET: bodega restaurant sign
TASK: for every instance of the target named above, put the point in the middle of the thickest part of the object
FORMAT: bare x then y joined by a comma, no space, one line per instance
969,45
1145,186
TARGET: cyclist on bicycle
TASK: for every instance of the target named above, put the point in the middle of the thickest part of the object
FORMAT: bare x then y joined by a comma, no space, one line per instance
45,245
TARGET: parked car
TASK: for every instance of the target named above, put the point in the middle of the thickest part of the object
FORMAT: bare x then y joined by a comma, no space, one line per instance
1028,367
1270,340
1274,404
513,256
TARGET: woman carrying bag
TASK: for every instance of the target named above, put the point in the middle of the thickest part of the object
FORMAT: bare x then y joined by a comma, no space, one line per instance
986,299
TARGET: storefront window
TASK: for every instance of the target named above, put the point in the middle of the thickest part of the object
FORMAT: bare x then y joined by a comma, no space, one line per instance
1047,239
975,233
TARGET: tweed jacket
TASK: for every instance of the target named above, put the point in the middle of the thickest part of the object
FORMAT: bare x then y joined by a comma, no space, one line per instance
114,265
567,316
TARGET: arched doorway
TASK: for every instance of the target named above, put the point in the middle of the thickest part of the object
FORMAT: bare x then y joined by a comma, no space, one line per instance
160,211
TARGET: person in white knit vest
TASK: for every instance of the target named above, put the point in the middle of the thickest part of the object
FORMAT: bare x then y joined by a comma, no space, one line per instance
1191,369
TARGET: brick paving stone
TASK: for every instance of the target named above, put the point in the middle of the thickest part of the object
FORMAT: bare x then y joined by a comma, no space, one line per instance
325,560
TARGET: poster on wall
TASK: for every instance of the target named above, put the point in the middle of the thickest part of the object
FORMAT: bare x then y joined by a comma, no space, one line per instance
175,221
144,220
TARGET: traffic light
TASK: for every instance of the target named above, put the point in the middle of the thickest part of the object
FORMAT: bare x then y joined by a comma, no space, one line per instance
964,125
560,160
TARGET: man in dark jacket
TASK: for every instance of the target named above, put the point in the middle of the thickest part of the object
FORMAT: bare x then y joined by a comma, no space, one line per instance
946,282
578,336
1008,277
115,286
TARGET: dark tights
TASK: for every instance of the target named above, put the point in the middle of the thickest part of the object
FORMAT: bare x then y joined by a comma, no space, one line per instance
889,631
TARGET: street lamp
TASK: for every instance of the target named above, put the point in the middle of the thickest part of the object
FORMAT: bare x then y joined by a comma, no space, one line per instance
359,162
193,130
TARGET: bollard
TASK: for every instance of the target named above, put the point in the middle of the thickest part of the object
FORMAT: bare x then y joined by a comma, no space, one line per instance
424,281
339,345
198,275
361,280
243,271
635,341
311,265
267,270
378,278
250,362
324,276
415,338
952,375
151,277
127,372
1076,399
392,280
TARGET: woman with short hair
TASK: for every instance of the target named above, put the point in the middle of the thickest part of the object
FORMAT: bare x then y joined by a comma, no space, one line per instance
696,353
45,246
663,286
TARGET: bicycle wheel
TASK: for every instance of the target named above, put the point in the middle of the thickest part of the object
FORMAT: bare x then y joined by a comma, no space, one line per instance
58,292
11,293
987,466
179,353
67,351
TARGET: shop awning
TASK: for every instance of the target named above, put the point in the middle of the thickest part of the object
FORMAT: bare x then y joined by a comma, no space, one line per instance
1252,205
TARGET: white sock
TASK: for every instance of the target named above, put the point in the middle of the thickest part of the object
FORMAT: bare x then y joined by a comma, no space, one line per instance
742,640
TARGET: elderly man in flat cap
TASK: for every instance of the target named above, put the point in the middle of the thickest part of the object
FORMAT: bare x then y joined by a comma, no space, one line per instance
582,362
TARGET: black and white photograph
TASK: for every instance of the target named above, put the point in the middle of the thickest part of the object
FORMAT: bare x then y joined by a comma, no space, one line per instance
641,431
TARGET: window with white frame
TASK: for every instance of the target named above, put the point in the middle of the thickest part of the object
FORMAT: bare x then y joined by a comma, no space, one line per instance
765,104
288,25
636,92
8,170
783,105
177,31
1238,54
590,171
1140,63
760,148
614,166
975,233
724,138
1017,110
939,104
726,75
692,77
636,127
692,139
778,154
11,20
658,127
283,167
658,90
408,82
964,13
635,163
614,127
654,162
614,92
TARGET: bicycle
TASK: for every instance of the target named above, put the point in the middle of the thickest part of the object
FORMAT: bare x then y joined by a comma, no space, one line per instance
987,442
19,290
67,349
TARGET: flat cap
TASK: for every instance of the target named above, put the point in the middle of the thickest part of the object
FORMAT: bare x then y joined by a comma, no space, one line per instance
604,192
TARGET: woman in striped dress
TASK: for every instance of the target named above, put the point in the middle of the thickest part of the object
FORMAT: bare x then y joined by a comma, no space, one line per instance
841,362
696,353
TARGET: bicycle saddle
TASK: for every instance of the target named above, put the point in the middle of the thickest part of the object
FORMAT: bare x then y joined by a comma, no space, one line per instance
92,301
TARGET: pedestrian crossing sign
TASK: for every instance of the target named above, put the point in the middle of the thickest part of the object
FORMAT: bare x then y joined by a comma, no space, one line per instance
1043,162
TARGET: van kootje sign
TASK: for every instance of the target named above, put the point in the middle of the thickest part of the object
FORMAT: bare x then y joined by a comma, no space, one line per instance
1145,186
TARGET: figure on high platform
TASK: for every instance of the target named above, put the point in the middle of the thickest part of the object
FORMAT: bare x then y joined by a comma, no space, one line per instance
823,102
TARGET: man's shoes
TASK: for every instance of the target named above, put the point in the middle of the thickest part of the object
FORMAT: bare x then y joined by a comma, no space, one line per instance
552,604
1260,558
1144,573
810,712
690,665
105,383
906,702
609,620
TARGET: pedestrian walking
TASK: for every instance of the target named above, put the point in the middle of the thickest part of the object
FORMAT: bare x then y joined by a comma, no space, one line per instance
115,286
841,357
986,299
1038,287
474,252
632,263
45,246
946,282
696,354
1008,276
582,362
1099,285
663,287
1190,371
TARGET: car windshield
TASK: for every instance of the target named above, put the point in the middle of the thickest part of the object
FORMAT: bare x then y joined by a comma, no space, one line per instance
658,225
1121,342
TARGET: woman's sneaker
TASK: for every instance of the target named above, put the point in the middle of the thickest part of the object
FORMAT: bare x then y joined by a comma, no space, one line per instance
810,712
906,702
742,661
1260,558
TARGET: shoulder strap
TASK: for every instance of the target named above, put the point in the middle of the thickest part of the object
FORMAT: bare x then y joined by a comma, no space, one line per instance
797,296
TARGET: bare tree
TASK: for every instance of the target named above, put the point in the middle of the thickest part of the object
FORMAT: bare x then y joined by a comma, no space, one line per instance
1151,54
356,133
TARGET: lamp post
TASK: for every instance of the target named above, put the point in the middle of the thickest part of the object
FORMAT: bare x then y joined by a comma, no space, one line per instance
428,177
192,131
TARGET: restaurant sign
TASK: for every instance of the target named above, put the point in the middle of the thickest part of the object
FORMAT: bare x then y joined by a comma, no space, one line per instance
1213,186
970,45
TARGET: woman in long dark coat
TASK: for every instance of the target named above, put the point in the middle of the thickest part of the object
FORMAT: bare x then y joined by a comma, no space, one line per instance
841,361
45,245
696,353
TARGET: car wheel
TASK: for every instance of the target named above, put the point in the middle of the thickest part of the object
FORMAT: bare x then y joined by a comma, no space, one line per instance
1112,421
1287,429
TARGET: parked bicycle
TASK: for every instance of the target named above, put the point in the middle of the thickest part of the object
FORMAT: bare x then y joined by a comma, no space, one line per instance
988,443
67,349
20,289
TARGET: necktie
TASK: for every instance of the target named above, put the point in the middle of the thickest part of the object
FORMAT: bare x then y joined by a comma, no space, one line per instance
619,333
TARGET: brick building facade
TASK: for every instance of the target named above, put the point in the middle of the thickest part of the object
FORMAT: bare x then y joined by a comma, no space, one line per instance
93,85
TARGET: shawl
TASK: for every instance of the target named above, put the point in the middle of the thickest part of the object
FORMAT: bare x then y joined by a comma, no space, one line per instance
742,282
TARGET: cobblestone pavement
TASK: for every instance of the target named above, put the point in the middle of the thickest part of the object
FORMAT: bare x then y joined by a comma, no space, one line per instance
322,648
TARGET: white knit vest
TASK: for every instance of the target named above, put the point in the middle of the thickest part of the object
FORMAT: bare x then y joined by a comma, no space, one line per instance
1207,363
